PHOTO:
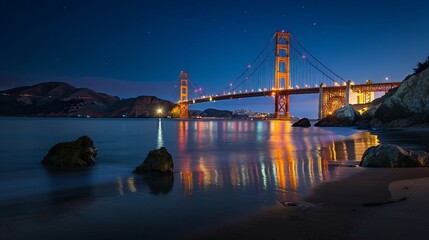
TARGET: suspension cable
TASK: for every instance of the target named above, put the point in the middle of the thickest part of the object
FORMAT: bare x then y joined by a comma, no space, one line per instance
315,66
317,59
247,69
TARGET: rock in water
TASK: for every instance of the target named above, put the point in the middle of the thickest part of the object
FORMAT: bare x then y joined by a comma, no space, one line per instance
303,122
76,154
342,117
389,155
158,160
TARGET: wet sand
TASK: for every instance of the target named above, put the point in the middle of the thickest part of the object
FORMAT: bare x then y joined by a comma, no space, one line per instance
354,207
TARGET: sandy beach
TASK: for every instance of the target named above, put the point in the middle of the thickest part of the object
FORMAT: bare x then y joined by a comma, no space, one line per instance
361,205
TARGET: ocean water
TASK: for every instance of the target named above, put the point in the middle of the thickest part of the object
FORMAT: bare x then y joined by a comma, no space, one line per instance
224,170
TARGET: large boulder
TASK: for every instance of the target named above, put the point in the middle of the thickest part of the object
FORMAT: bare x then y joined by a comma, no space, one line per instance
75,154
158,160
342,117
408,106
303,122
389,155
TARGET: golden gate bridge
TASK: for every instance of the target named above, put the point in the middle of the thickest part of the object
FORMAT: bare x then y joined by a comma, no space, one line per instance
283,68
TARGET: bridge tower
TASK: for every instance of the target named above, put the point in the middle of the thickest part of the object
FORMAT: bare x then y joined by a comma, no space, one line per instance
282,75
183,102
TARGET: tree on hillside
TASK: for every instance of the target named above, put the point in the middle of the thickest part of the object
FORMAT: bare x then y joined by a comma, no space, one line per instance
421,66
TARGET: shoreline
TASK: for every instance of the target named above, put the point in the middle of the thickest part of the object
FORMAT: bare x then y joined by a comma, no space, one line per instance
335,210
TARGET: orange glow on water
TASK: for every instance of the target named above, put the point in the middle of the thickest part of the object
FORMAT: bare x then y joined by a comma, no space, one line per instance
290,159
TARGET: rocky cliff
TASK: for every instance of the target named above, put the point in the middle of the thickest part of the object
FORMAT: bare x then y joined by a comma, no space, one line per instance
59,99
408,106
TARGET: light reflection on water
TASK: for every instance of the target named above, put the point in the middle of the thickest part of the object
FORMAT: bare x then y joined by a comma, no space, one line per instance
224,168
262,154
160,137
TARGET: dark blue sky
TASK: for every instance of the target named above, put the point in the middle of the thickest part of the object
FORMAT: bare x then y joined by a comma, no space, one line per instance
131,48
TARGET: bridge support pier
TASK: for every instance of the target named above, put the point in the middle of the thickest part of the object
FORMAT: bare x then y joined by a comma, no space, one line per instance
183,102
282,74
348,91
183,110
331,98
321,110
282,107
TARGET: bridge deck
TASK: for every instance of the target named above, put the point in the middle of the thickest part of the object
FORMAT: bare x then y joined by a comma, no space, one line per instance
374,87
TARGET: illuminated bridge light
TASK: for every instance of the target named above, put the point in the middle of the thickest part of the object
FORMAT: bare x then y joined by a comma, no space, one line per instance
249,66
315,85
265,89
260,90
297,86
304,57
230,84
253,90
239,92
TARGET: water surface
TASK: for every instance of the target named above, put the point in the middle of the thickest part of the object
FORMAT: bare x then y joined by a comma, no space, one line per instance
224,169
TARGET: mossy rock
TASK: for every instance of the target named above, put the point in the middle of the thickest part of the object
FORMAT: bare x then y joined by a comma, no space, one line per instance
158,160
389,155
80,153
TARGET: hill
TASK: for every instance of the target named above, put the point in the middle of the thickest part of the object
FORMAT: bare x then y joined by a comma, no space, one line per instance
59,99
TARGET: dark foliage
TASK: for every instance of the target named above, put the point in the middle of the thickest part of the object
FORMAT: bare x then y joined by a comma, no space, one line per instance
422,66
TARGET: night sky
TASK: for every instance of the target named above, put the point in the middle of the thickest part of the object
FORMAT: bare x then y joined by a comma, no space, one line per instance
132,48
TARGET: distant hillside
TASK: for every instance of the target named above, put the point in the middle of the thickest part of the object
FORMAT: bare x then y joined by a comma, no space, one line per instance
210,112
236,114
59,99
